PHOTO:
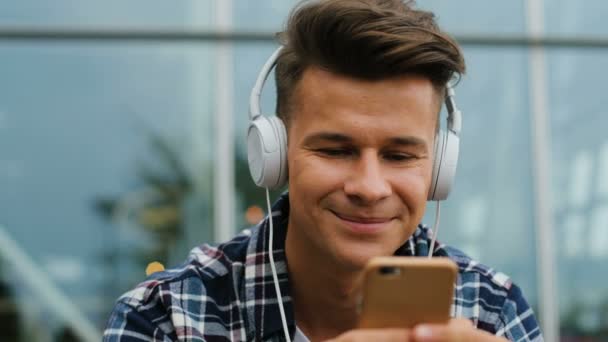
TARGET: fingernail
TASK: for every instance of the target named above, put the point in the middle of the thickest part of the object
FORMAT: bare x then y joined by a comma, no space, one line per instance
423,333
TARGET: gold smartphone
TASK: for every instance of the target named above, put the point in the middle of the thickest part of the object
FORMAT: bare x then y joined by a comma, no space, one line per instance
400,292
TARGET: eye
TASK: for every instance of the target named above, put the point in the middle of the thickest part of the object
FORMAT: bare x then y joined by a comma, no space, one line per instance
399,157
335,152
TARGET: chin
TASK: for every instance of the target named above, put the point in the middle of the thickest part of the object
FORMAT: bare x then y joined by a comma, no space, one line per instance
356,256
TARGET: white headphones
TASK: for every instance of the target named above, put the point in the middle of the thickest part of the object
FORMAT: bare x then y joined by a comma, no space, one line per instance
267,143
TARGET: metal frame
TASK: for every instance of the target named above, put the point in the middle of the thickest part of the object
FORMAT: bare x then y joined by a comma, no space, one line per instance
541,163
192,36
224,189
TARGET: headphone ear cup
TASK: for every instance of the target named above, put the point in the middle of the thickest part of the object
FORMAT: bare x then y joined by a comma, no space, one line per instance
267,152
447,147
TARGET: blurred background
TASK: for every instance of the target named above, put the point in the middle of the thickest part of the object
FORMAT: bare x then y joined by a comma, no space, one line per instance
122,129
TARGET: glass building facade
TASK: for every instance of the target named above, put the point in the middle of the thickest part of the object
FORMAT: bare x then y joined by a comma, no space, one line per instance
122,141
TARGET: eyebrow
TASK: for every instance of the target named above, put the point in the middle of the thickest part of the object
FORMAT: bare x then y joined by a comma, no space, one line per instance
327,137
341,138
407,141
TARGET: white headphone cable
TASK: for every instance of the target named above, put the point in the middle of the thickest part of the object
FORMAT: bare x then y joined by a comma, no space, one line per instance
274,270
435,230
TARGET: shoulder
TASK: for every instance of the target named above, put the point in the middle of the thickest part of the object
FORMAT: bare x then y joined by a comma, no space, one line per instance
471,273
205,265
475,274
490,299
197,293
484,295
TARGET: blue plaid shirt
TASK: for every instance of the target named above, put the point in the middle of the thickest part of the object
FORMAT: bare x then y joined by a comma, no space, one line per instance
226,293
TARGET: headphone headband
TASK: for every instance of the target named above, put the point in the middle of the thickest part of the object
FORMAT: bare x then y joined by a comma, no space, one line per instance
454,114
255,109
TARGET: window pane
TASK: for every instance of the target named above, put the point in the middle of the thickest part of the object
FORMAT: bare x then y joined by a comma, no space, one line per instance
479,17
265,15
106,154
109,13
574,18
580,161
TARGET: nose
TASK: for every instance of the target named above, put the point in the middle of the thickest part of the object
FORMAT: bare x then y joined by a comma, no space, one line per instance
367,183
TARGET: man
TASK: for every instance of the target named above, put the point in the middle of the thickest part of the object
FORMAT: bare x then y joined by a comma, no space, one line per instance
360,85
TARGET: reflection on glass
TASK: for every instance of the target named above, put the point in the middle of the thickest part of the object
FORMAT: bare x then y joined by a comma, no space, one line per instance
579,169
107,14
158,206
106,152
478,17
473,219
10,320
264,16
576,18
598,233
602,169
574,228
581,178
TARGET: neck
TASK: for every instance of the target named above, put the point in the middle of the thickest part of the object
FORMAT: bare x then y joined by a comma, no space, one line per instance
325,298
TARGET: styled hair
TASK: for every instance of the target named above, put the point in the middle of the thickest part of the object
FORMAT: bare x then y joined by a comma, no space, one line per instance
363,39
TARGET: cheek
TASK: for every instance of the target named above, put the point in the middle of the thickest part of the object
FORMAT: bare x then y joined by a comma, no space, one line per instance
312,175
412,186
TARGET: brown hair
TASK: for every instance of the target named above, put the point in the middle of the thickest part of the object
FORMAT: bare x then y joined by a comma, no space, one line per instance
364,39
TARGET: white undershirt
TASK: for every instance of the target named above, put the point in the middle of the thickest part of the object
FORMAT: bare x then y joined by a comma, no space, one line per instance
299,336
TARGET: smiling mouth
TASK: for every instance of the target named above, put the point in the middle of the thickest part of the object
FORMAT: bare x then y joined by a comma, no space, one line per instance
364,225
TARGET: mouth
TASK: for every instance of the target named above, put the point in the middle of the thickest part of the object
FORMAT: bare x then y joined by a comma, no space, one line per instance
364,225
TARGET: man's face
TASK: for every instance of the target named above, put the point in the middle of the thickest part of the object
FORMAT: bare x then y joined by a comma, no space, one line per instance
360,160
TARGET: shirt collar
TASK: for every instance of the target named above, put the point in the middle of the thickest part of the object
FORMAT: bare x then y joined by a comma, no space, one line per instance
261,300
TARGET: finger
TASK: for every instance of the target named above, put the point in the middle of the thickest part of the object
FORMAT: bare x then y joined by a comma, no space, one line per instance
442,332
461,323
458,330
396,335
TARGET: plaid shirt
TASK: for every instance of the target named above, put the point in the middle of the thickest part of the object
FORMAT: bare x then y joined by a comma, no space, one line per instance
226,292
